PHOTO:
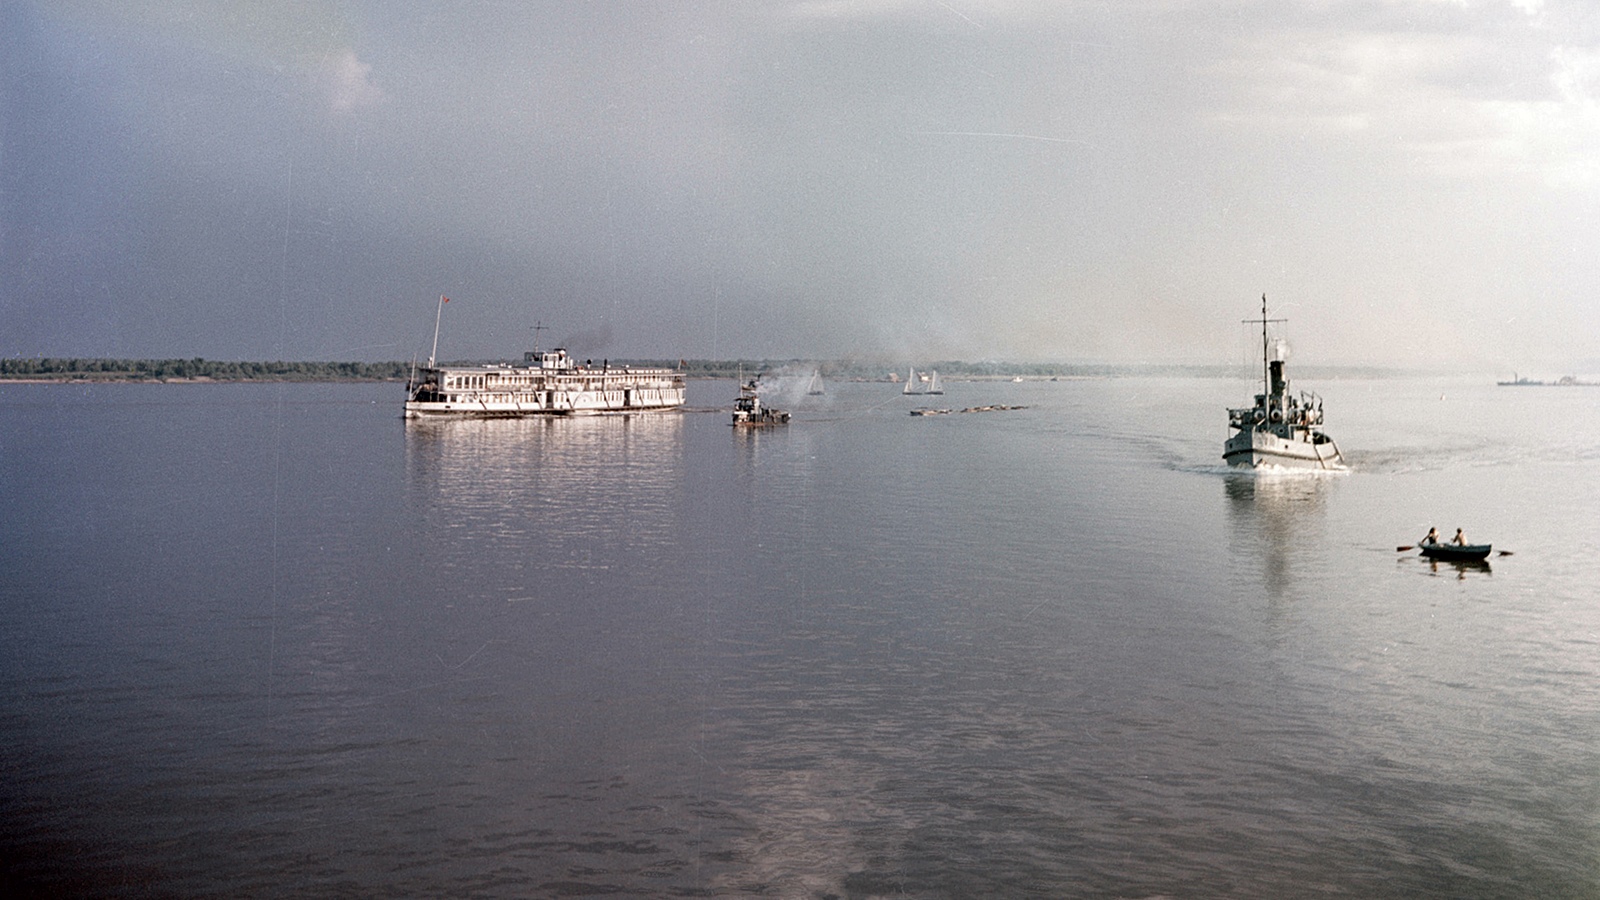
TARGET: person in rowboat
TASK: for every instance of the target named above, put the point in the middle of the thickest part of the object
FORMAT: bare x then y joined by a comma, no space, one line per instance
1460,539
1432,538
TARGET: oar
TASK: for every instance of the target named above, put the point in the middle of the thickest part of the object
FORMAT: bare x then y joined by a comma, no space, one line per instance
1505,553
1405,548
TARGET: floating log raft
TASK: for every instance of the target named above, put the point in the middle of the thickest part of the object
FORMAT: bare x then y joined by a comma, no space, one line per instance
925,411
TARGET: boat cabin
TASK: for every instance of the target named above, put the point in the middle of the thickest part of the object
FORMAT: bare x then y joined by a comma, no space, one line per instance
549,359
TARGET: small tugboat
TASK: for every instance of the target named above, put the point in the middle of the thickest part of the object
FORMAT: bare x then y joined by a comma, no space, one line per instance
1282,429
749,413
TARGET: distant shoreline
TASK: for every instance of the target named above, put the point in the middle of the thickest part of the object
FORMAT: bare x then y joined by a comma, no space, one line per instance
202,379
63,370
69,370
61,379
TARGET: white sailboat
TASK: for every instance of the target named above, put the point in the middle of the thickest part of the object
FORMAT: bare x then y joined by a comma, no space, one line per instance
926,383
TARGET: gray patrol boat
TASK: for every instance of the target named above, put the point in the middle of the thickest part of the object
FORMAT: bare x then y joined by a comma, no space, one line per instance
1282,429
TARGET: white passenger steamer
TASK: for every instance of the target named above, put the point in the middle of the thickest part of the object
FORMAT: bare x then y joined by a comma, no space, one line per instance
548,383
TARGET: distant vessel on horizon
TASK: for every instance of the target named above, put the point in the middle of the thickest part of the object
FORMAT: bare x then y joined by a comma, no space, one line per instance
1563,381
1280,430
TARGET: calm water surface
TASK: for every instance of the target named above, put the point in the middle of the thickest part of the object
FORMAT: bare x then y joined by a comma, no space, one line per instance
271,640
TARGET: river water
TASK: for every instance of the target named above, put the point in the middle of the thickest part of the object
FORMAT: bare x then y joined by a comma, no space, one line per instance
272,640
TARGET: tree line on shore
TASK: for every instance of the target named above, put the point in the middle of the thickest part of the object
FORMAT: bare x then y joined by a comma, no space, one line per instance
59,369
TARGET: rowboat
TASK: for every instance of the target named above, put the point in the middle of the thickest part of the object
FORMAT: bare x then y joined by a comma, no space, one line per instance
1455,551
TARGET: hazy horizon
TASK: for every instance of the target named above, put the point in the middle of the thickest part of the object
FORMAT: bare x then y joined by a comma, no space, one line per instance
1413,183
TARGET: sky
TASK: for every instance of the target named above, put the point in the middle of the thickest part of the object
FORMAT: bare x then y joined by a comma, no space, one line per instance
1412,183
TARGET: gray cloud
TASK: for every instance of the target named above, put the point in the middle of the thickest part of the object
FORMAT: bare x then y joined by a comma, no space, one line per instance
1414,181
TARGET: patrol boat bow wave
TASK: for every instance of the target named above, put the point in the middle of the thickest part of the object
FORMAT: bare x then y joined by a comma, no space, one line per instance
1281,429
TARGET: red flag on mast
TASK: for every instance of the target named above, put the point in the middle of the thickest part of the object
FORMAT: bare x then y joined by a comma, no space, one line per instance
443,299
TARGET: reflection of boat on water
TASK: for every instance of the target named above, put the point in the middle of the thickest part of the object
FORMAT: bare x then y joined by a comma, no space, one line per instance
1456,552
1460,566
1463,566
542,485
749,413
550,383
1282,429
1278,523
